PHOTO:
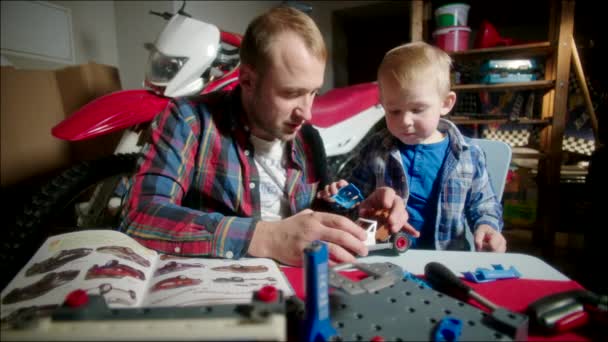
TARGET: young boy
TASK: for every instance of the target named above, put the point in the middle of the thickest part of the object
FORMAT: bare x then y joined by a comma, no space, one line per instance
440,175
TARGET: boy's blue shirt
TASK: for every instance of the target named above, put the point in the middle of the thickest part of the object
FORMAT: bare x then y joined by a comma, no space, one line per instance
465,198
422,163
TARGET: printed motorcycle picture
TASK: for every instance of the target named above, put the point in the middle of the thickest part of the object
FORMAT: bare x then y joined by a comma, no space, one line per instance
175,282
124,253
241,268
58,260
174,267
114,269
47,283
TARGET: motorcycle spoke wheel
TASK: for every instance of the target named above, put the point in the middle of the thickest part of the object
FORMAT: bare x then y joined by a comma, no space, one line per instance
51,211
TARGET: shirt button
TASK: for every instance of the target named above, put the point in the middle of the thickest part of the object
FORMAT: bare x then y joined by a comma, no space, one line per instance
229,254
246,128
251,185
177,249
247,152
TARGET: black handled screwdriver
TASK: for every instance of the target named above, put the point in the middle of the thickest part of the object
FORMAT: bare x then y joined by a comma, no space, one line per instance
501,319
444,280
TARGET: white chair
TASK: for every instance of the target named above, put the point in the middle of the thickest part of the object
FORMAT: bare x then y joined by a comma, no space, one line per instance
498,159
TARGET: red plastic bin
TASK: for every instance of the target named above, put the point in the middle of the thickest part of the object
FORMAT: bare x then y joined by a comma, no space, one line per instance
452,38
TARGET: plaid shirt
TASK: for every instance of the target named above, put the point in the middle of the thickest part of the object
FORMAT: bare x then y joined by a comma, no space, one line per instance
466,198
196,191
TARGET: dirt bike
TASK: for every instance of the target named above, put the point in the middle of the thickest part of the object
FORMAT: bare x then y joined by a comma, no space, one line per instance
189,57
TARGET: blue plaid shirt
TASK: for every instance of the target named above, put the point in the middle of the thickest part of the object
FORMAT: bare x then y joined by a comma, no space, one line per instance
466,198
196,191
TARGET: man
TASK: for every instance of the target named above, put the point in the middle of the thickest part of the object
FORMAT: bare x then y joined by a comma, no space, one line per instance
233,174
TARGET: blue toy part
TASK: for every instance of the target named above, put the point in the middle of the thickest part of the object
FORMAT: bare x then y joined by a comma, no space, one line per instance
448,330
417,280
484,275
317,323
348,196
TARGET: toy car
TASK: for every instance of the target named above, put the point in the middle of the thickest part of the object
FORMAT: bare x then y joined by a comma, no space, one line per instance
376,238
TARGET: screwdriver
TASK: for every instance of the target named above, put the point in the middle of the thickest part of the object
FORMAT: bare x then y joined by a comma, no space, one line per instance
443,280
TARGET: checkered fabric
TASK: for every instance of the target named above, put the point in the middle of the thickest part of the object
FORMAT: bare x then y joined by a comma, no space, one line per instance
578,145
515,138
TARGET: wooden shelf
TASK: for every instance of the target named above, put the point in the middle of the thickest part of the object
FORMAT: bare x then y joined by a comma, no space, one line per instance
464,120
527,155
542,84
514,51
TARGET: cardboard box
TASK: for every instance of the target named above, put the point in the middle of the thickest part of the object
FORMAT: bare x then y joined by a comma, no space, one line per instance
33,102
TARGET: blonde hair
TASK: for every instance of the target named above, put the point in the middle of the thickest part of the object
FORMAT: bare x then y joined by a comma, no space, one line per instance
416,61
258,38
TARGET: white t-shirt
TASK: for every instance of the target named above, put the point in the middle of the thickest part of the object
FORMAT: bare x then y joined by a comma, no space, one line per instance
269,157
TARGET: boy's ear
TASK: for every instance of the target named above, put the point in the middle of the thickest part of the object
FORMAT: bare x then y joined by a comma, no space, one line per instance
448,103
247,78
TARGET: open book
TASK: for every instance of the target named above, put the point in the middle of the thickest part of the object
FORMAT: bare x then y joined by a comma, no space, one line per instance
127,274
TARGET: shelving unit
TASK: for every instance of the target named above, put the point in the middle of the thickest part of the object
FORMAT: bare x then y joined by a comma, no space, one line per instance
556,52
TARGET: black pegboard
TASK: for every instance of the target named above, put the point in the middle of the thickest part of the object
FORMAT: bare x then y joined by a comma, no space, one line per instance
407,311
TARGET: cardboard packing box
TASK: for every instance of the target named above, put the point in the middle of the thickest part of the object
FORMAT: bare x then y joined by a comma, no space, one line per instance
33,102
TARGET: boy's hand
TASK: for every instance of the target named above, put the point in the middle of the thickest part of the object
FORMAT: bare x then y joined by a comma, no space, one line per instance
488,239
386,198
331,189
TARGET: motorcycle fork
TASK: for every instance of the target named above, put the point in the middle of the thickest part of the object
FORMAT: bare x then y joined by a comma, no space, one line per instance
103,200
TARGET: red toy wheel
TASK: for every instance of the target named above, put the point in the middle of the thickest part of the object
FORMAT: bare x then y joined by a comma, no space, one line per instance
401,242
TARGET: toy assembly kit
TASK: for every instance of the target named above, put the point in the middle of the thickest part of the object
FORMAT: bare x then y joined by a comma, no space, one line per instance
411,310
141,295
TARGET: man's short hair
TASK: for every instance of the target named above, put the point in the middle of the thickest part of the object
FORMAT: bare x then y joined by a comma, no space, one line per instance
416,61
255,47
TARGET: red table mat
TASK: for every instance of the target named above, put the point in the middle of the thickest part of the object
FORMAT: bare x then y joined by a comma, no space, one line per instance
514,294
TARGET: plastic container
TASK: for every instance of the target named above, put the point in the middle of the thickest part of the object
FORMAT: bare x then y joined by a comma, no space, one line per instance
452,15
453,38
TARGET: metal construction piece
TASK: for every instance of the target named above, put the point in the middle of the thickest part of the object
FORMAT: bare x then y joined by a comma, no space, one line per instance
380,275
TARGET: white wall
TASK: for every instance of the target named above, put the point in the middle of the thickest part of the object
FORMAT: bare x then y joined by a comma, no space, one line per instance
233,16
93,32
114,32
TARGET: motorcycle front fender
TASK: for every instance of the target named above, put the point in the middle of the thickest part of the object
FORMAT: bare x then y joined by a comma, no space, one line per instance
110,113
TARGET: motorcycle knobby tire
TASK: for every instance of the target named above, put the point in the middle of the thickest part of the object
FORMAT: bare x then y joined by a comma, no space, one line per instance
34,224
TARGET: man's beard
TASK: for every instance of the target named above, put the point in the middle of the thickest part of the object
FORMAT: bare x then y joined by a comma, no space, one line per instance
257,119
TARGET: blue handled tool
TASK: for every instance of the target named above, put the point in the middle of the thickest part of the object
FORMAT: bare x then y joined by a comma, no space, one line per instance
317,324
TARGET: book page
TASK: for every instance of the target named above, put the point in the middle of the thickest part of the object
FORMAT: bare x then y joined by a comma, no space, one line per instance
180,281
105,262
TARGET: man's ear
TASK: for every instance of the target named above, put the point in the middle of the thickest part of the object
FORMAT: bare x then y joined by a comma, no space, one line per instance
448,103
247,78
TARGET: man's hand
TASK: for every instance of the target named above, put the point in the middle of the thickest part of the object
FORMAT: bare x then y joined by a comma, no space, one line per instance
386,198
285,240
488,239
